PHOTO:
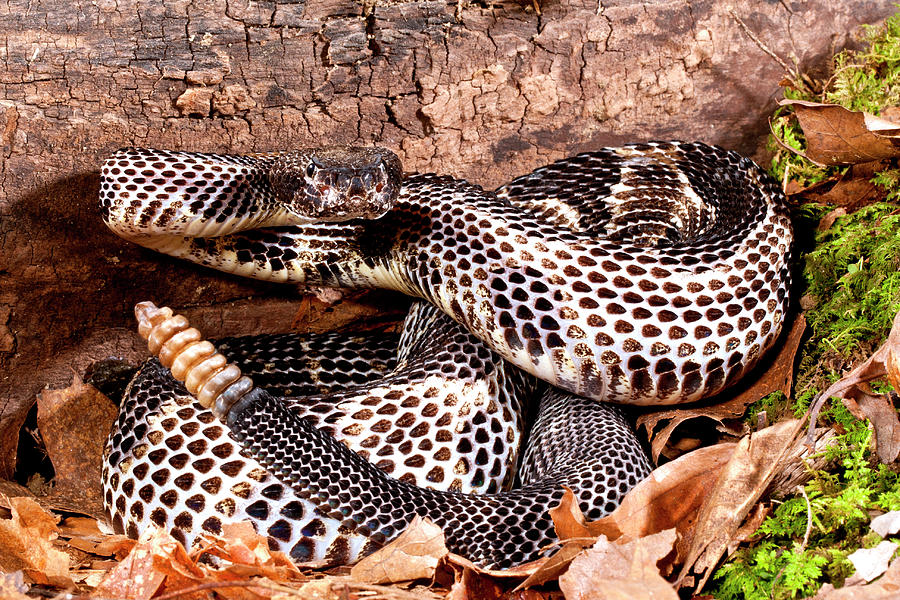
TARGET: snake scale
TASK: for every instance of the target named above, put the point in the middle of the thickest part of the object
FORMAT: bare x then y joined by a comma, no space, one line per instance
650,274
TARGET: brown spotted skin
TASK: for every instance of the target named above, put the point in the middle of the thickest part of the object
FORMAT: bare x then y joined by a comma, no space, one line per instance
651,274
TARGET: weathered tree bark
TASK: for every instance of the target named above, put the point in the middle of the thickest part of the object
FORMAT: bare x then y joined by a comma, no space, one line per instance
483,91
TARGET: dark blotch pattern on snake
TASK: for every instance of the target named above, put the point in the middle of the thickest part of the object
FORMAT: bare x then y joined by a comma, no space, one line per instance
650,274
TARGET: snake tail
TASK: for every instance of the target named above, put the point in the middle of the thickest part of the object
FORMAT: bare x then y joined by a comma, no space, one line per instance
216,383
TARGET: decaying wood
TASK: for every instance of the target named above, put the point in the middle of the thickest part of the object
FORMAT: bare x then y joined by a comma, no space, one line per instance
483,91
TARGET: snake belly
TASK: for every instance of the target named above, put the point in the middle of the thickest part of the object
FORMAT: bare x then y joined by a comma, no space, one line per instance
649,274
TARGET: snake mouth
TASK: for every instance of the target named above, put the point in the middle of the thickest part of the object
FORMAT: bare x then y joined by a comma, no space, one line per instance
337,183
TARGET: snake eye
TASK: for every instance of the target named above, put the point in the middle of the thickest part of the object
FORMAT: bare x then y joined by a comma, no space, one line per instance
311,169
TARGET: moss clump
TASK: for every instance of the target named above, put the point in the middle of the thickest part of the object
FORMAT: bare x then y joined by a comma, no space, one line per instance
853,279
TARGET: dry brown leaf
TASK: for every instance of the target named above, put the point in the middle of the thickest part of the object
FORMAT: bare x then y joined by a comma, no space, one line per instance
84,534
854,392
249,555
850,191
795,189
892,360
748,527
669,497
778,375
620,571
755,461
11,489
879,410
518,572
158,565
413,555
672,495
556,565
837,136
570,522
473,586
137,576
828,220
26,544
74,423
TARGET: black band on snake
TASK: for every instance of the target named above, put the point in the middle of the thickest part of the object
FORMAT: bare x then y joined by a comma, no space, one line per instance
649,274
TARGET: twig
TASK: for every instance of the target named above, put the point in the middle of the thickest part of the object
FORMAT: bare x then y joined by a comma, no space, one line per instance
383,591
781,143
780,572
760,45
805,537
827,84
815,406
809,518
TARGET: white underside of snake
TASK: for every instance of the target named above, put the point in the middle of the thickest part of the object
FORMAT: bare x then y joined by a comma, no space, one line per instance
651,274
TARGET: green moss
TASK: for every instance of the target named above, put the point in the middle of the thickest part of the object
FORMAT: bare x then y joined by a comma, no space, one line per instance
853,276
869,80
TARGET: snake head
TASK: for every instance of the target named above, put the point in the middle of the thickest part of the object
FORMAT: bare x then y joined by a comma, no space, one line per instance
337,183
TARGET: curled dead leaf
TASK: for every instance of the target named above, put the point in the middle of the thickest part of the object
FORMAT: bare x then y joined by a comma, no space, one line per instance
838,136
137,576
246,554
473,586
522,571
414,554
570,522
26,544
669,498
551,568
756,460
629,571
671,495
853,189
74,423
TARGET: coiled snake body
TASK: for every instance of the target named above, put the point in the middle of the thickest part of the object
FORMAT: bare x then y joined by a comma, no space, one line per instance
650,274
